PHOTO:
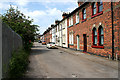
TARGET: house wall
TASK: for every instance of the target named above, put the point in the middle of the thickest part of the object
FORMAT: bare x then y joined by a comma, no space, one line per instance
60,34
48,36
57,36
53,34
87,26
116,22
64,33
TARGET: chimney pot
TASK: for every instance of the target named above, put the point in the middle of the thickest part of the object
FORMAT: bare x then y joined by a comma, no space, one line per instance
64,15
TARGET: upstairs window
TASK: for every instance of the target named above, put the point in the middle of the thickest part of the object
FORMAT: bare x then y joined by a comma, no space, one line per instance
94,8
101,36
94,36
77,17
100,6
71,21
71,38
84,14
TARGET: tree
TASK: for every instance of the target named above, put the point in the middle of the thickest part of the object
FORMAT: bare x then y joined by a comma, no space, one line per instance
20,24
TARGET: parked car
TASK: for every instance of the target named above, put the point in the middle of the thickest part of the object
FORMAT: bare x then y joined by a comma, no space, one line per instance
43,43
51,45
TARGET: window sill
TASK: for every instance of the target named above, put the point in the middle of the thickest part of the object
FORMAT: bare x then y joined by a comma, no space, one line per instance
97,14
70,25
76,23
84,20
71,44
94,46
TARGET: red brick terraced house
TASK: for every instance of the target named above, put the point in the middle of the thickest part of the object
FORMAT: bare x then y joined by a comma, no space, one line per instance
48,35
94,27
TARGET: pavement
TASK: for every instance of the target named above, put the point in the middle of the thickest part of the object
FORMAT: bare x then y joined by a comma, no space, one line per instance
67,63
93,58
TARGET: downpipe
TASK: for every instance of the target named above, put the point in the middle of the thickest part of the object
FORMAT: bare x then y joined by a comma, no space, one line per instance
112,30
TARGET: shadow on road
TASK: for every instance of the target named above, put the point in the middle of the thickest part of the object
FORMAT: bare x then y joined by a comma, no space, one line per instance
38,47
38,51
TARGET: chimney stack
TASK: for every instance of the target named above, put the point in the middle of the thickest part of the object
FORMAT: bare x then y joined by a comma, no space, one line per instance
52,25
64,14
80,2
57,21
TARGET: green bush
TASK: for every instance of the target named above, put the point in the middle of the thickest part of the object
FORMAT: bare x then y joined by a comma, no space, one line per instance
18,63
28,46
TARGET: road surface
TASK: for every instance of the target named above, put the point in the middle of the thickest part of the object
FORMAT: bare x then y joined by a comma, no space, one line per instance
55,63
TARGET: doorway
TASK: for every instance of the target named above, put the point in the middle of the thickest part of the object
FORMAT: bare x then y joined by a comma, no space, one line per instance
85,42
78,46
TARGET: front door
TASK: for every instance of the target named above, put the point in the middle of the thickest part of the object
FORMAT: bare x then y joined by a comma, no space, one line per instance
85,42
78,42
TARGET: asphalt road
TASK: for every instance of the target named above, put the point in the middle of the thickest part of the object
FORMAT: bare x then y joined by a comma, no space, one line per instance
55,63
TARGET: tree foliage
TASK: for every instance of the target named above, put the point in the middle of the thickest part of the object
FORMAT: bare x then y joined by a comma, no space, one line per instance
20,24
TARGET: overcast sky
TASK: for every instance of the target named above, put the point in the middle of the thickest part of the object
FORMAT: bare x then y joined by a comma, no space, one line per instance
44,12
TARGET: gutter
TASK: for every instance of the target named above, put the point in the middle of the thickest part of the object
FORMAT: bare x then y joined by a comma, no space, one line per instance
112,31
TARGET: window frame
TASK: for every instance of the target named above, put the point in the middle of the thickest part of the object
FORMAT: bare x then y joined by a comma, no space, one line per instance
97,9
98,45
71,20
71,38
100,35
99,4
93,8
84,13
94,29
77,17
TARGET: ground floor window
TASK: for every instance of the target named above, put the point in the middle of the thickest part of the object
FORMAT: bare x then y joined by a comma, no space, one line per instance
101,35
94,36
98,37
71,38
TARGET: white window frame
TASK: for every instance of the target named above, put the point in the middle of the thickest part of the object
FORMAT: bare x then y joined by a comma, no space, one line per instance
77,17
50,31
71,38
71,20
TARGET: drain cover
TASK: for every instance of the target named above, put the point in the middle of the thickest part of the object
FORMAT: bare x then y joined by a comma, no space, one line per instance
60,52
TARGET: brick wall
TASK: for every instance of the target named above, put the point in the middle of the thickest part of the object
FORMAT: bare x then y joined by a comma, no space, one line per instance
47,37
105,21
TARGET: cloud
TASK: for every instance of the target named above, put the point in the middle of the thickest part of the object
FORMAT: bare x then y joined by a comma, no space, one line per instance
45,17
21,2
48,1
70,9
4,5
